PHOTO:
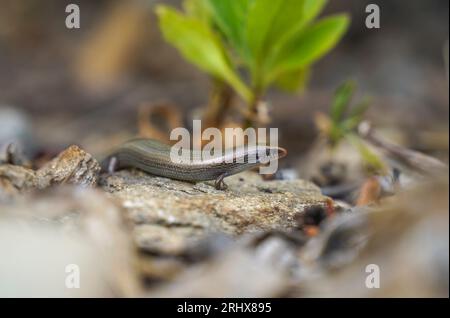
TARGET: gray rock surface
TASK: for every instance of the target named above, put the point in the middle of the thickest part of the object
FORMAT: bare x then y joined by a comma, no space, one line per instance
171,215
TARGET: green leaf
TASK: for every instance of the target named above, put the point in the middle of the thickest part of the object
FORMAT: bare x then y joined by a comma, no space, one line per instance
356,115
311,9
261,17
200,46
288,18
350,124
369,157
230,17
341,100
360,109
308,46
335,134
272,20
293,16
198,9
293,81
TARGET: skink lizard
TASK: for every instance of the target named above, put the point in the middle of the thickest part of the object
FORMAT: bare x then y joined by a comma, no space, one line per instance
153,157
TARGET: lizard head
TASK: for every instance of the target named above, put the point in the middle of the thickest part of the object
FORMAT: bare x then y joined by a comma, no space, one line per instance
265,154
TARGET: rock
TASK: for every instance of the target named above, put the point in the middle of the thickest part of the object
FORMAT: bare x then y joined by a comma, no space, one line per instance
404,240
73,166
60,227
20,177
7,190
170,215
344,167
15,180
13,154
234,273
277,252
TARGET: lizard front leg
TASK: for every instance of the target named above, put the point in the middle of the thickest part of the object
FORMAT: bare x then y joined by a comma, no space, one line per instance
219,183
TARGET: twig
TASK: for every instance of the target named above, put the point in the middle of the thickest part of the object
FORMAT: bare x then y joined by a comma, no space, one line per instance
400,157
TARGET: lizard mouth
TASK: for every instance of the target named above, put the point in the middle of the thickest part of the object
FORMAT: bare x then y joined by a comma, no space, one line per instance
281,152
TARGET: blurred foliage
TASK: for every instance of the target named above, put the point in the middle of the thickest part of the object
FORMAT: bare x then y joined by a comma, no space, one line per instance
344,119
267,41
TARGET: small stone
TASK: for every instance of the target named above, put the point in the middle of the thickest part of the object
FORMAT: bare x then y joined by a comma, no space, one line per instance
73,166
20,177
15,180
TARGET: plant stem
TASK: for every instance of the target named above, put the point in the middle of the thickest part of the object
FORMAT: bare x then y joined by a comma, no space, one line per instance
257,92
252,111
220,100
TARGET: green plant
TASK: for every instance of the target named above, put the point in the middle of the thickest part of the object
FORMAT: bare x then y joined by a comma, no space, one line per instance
342,122
252,44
